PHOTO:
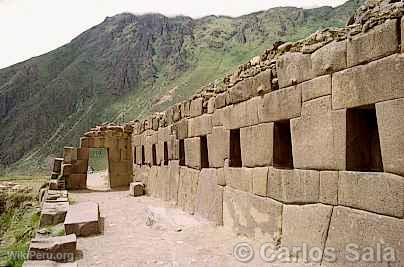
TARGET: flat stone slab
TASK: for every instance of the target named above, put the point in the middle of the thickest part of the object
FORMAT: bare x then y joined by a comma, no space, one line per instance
83,219
136,189
53,213
59,249
56,196
48,264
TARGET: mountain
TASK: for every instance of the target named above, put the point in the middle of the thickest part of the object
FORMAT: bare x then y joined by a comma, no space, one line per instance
130,65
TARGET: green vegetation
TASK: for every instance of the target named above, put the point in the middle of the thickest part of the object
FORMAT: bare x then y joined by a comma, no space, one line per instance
19,221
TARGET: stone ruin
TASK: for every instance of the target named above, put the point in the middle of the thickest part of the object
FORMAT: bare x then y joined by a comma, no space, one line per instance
302,145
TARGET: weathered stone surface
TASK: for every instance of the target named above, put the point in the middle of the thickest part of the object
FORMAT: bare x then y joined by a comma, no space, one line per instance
209,197
315,88
221,177
53,213
305,225
83,153
366,84
185,109
390,120
220,101
136,189
252,216
319,136
218,142
364,230
82,219
239,178
187,189
211,105
381,193
262,83
242,91
402,35
379,42
67,169
181,129
294,186
257,145
59,249
199,126
329,181
293,68
260,181
281,105
76,181
174,169
330,58
80,166
217,117
69,154
242,114
196,108
193,152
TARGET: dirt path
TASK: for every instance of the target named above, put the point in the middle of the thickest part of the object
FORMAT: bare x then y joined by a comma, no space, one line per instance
172,239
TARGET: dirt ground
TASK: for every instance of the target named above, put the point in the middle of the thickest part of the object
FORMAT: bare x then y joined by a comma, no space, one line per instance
148,232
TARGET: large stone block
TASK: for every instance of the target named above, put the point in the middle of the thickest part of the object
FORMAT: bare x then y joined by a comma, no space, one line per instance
96,142
330,58
181,129
69,154
211,105
136,189
163,134
329,181
83,219
241,114
293,68
252,216
257,145
217,117
83,153
239,178
262,83
220,101
199,126
377,81
196,108
242,91
80,166
315,88
218,145
76,181
354,233
187,189
59,249
174,169
209,197
319,136
260,181
381,193
185,109
53,213
281,105
305,225
193,152
294,186
390,120
381,41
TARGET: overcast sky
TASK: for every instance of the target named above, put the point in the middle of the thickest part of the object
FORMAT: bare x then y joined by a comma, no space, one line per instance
30,28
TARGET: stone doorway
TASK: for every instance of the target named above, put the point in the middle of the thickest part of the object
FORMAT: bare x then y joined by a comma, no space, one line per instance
98,172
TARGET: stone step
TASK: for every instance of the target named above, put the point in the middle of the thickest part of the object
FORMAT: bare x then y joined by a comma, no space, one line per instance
83,219
59,249
48,264
53,213
136,189
56,196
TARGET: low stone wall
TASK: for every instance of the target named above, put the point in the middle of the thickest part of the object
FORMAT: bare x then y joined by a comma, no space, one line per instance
316,160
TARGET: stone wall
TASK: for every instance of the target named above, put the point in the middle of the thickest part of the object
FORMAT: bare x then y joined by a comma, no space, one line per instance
116,140
314,157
